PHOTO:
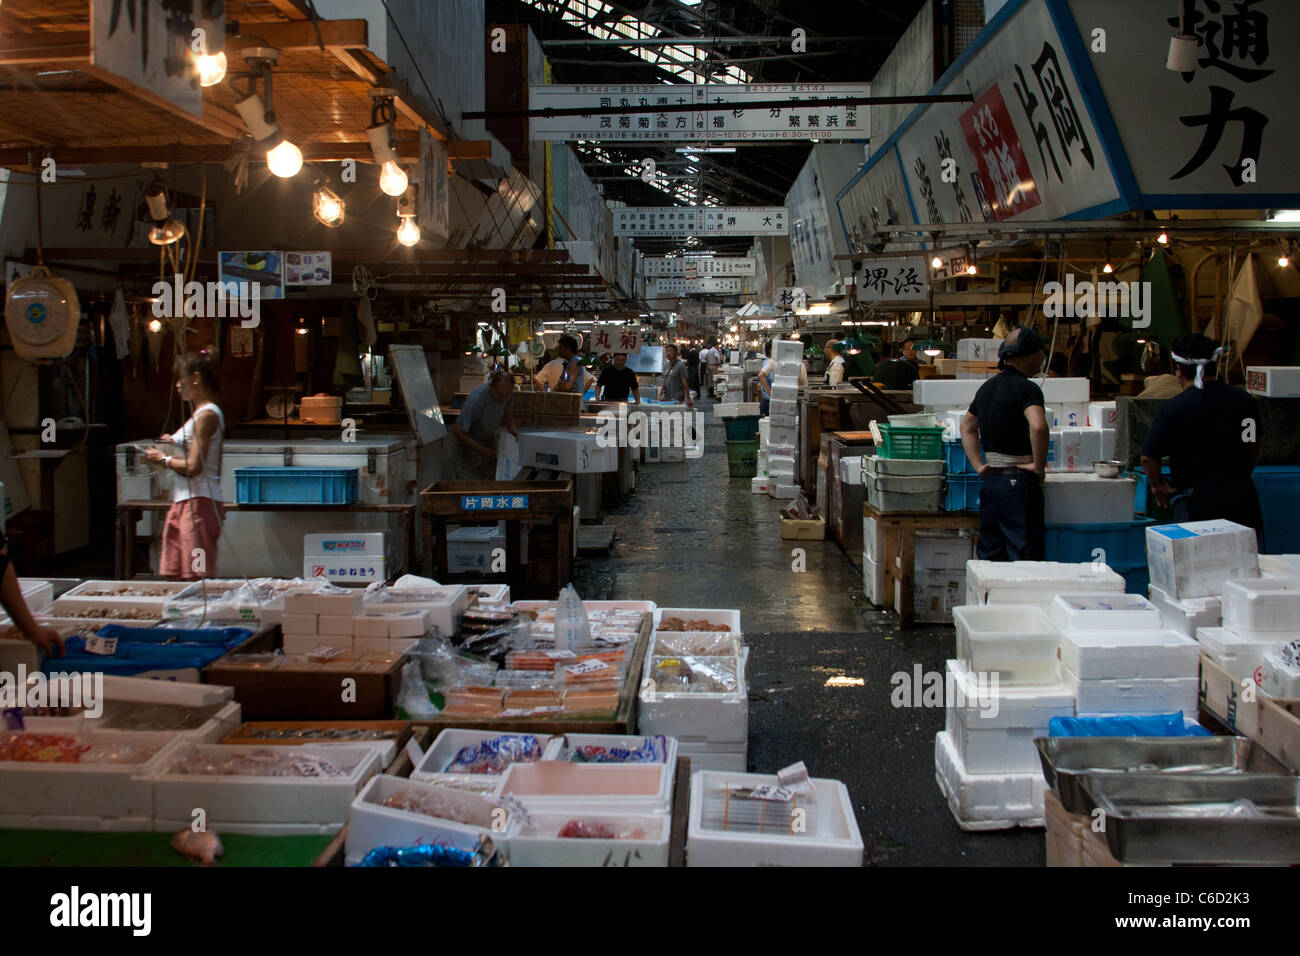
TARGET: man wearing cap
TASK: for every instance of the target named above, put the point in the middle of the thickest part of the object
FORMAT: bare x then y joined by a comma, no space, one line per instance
1008,420
1210,431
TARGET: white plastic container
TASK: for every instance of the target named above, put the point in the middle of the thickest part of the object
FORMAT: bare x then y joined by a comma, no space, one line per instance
551,786
1189,615
875,465
1035,582
889,494
993,801
1281,678
942,394
448,743
1016,641
1241,655
786,350
1104,610
563,746
994,729
540,845
1133,695
836,842
1262,604
1117,654
732,757
1082,498
1193,559
729,617
444,608
372,825
782,490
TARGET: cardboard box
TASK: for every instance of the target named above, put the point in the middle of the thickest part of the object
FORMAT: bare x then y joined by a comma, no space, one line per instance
797,530
1193,559
1279,729
1235,703
535,408
293,688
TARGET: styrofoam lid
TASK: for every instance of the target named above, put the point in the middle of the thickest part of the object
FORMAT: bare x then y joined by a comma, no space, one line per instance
472,535
1155,637
1220,640
1105,601
1248,588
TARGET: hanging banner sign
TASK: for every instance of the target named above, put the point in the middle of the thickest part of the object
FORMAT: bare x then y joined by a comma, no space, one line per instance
614,339
721,113
666,285
900,279
434,189
700,221
147,44
694,267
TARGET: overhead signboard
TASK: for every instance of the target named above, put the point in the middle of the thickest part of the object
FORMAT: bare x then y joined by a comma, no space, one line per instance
693,267
720,112
614,339
700,221
434,213
898,279
673,285
147,44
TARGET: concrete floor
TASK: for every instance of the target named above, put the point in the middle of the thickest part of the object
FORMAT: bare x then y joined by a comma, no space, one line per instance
690,536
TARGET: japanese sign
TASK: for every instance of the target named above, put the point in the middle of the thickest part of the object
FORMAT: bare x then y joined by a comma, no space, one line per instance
614,339
876,202
700,221
493,502
721,112
894,280
1002,181
147,43
668,285
954,262
813,245
694,267
432,204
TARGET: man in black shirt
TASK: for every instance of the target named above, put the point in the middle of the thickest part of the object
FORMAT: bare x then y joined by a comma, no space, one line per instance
1007,418
616,381
1210,433
898,373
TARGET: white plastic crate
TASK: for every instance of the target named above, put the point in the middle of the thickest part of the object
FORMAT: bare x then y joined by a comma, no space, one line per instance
1104,610
540,844
1193,559
1016,641
1188,615
732,757
1262,604
993,729
836,840
371,824
1125,654
449,742
1133,695
992,801
551,786
1241,655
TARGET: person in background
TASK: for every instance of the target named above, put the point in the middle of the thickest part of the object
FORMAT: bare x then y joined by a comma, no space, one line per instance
765,376
617,381
710,359
834,363
1161,386
485,412
895,372
193,525
675,388
692,358
1009,420
566,373
11,597
1210,432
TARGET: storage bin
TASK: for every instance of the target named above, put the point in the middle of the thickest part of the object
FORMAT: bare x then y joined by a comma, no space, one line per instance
741,427
1017,641
742,459
1123,543
873,465
956,462
886,494
911,441
1262,604
962,493
296,486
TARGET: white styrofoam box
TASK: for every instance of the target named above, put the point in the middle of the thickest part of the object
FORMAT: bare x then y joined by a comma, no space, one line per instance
369,626
850,471
987,801
344,543
993,728
758,486
728,757
951,421
1035,582
934,595
781,468
408,624
335,600
233,800
83,824
334,625
943,550
695,718
370,645
444,607
1067,415
450,742
1107,452
1124,654
941,394
95,790
837,841
1103,415
783,491
356,570
734,409
873,580
1262,604
783,420
559,787
577,451
1275,381
1089,447
1082,497
307,643
490,595
174,589
1065,391
1241,655
776,408
788,371
1105,610
371,824
872,539
1017,641
539,844
1188,615
764,431
781,452
1280,676
562,746
1065,450
165,692
782,435
782,392
728,616
787,350
1279,565
1133,695
299,624
470,548
978,350
38,594
1193,559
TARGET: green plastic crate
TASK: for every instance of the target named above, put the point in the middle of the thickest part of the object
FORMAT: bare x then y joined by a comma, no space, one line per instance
742,459
911,441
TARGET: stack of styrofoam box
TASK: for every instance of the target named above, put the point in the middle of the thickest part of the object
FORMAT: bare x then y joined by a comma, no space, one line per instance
469,548
939,582
441,605
307,612
831,837
783,411
1085,498
215,704
1189,615
1117,657
1004,691
1259,615
873,562
978,350
354,555
734,409
711,728
1193,559
1035,582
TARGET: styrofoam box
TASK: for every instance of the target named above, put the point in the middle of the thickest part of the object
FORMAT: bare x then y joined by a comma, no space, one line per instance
945,393
612,788
333,625
1064,391
1082,497
786,350
1070,415
1107,444
783,491
372,825
13,821
782,435
941,550
873,580
1241,655
577,451
1258,604
1279,678
695,718
93,790
371,627
782,469
978,350
306,643
1193,559
540,846
1121,654
837,841
731,757
336,600
997,735
1107,610
470,549
1133,695
561,746
450,742
764,431
83,599
1035,582
371,645
784,393
993,801
727,616
850,471
38,594
758,486
489,595
1189,615
1275,381
1016,641
734,409
234,800
1279,565
1103,415
346,543
299,624
933,596
1065,450
788,370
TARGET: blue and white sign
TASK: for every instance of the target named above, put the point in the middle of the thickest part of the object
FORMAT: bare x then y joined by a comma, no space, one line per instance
493,502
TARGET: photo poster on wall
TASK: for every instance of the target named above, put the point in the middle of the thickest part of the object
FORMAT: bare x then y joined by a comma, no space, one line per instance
308,268
264,268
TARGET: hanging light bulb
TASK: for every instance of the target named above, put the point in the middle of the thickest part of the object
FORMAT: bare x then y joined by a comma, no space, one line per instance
1283,260
282,157
408,233
1163,238
1108,268
392,179
155,326
936,263
327,207
302,326
211,67
284,160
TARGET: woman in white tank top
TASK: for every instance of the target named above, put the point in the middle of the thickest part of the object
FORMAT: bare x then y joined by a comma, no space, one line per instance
193,526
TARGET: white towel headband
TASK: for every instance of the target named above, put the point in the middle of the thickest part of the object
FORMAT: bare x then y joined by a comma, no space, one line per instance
1200,364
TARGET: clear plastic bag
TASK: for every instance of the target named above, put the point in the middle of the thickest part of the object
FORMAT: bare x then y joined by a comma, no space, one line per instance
413,698
572,628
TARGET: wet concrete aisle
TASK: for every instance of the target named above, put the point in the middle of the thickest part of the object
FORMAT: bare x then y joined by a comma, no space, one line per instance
690,536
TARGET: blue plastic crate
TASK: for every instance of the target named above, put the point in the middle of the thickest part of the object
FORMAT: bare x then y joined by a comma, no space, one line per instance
963,493
1124,542
1279,490
1137,577
296,486
956,459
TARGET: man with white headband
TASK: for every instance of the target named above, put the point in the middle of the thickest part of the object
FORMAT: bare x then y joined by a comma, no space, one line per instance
1210,433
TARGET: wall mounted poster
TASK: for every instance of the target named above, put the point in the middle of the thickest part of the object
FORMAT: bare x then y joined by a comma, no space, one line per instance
308,268
264,268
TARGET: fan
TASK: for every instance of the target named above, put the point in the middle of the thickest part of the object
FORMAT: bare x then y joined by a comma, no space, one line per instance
42,314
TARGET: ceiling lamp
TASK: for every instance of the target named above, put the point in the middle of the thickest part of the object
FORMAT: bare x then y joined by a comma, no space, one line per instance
936,263
408,233
970,267
1108,268
1284,259
166,230
327,207
210,57
211,67
1163,238
283,158
383,142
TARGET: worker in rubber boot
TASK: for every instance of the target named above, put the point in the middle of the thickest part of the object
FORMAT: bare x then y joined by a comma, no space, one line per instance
1005,435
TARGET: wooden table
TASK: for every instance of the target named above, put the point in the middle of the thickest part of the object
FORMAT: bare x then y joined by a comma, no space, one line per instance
129,512
899,532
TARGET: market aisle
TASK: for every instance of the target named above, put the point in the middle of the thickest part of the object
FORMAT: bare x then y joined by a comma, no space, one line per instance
691,536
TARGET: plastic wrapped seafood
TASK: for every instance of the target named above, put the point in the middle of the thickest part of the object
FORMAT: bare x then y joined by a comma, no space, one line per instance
699,675
649,750
494,754
697,644
268,762
681,624
762,809
582,829
30,747
432,802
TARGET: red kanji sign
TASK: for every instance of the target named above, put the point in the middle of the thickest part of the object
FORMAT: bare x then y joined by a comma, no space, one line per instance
1005,181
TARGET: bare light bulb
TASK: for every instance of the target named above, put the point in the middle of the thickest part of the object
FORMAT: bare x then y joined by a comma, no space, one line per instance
408,233
285,160
392,179
936,263
155,326
327,207
970,269
1107,268
1163,238
211,67
1283,261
